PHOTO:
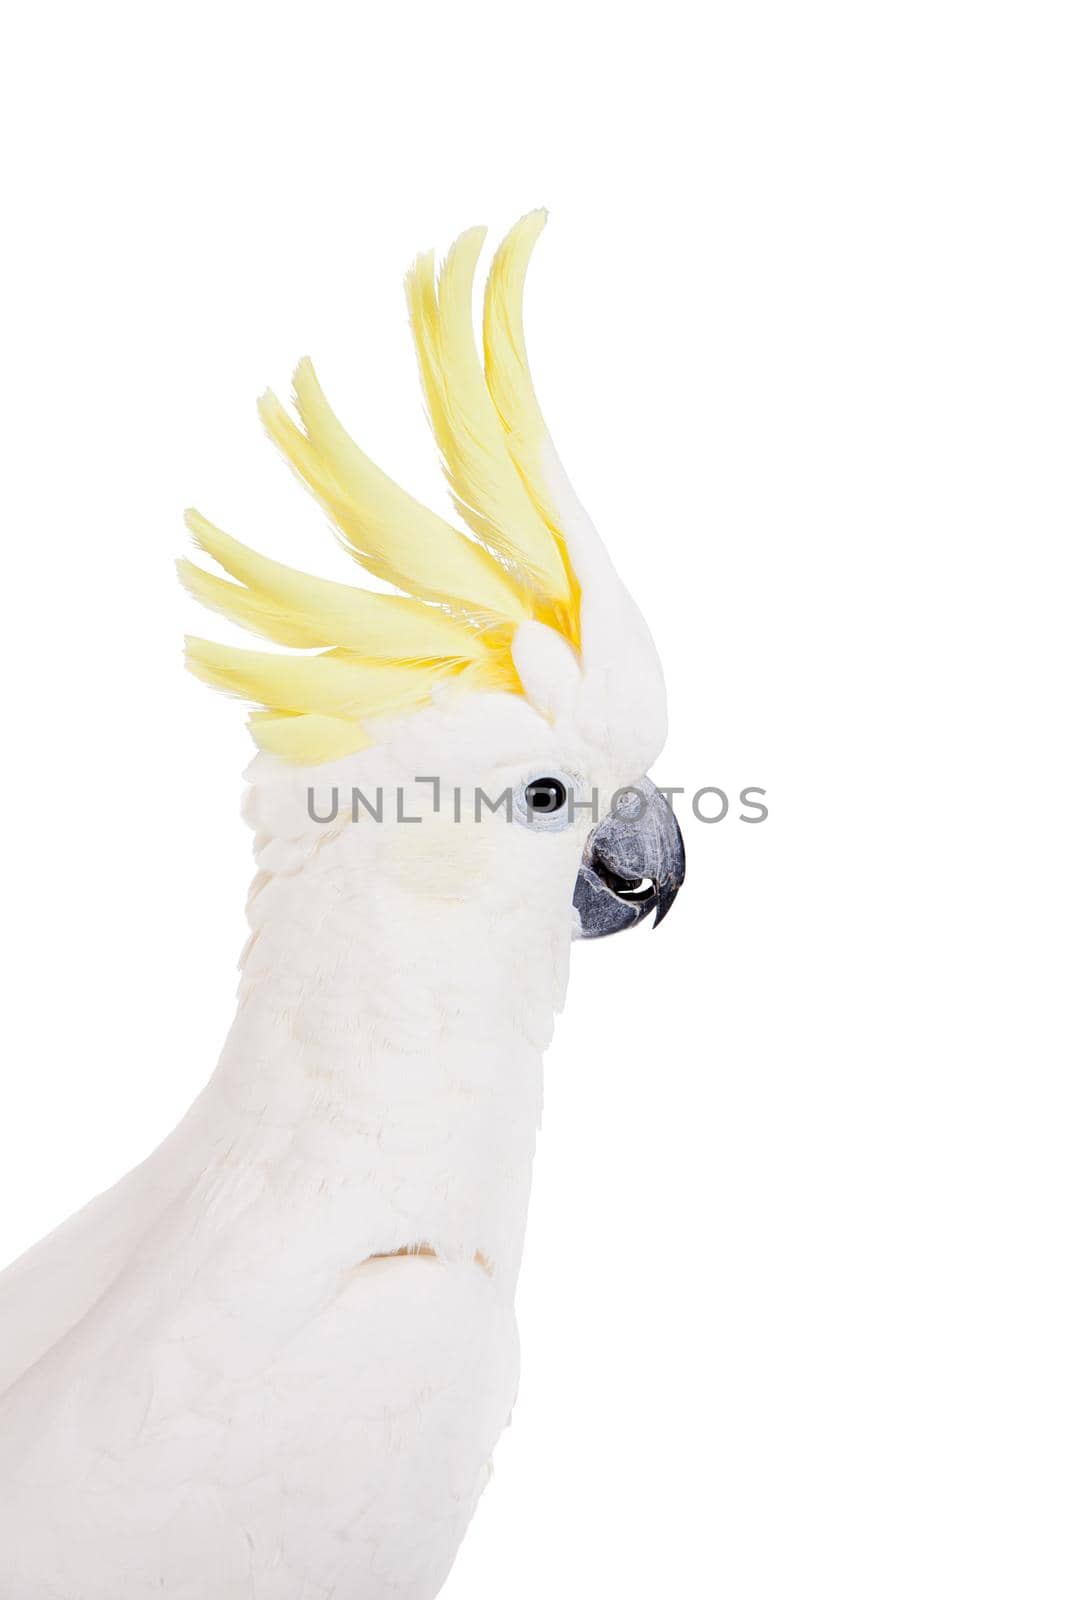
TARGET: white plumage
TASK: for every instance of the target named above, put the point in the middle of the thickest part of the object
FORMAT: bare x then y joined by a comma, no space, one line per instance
273,1362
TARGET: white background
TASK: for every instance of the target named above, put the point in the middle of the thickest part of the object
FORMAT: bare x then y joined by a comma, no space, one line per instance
793,1307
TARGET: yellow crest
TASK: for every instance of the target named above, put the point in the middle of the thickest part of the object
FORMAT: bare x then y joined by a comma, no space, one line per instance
463,597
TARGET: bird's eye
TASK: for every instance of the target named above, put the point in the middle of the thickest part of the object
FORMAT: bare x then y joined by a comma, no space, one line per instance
547,802
545,797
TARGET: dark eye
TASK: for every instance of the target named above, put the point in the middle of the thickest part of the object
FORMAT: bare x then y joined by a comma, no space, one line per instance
545,796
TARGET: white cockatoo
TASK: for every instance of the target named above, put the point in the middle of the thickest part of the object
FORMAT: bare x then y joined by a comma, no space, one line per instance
273,1362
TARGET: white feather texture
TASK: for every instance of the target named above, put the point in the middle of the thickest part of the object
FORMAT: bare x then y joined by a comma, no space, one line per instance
273,1362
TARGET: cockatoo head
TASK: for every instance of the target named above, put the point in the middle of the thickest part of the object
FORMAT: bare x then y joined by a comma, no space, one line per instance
511,696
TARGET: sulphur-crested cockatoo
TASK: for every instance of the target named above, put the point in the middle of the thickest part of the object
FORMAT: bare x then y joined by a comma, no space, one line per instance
273,1362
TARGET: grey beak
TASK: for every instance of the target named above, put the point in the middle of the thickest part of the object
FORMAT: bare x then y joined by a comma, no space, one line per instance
633,863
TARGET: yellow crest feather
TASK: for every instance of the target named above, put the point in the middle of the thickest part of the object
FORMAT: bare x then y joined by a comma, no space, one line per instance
279,598
308,740
385,528
381,653
507,369
486,488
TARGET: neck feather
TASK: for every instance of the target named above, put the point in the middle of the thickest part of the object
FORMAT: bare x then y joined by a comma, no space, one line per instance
388,1042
